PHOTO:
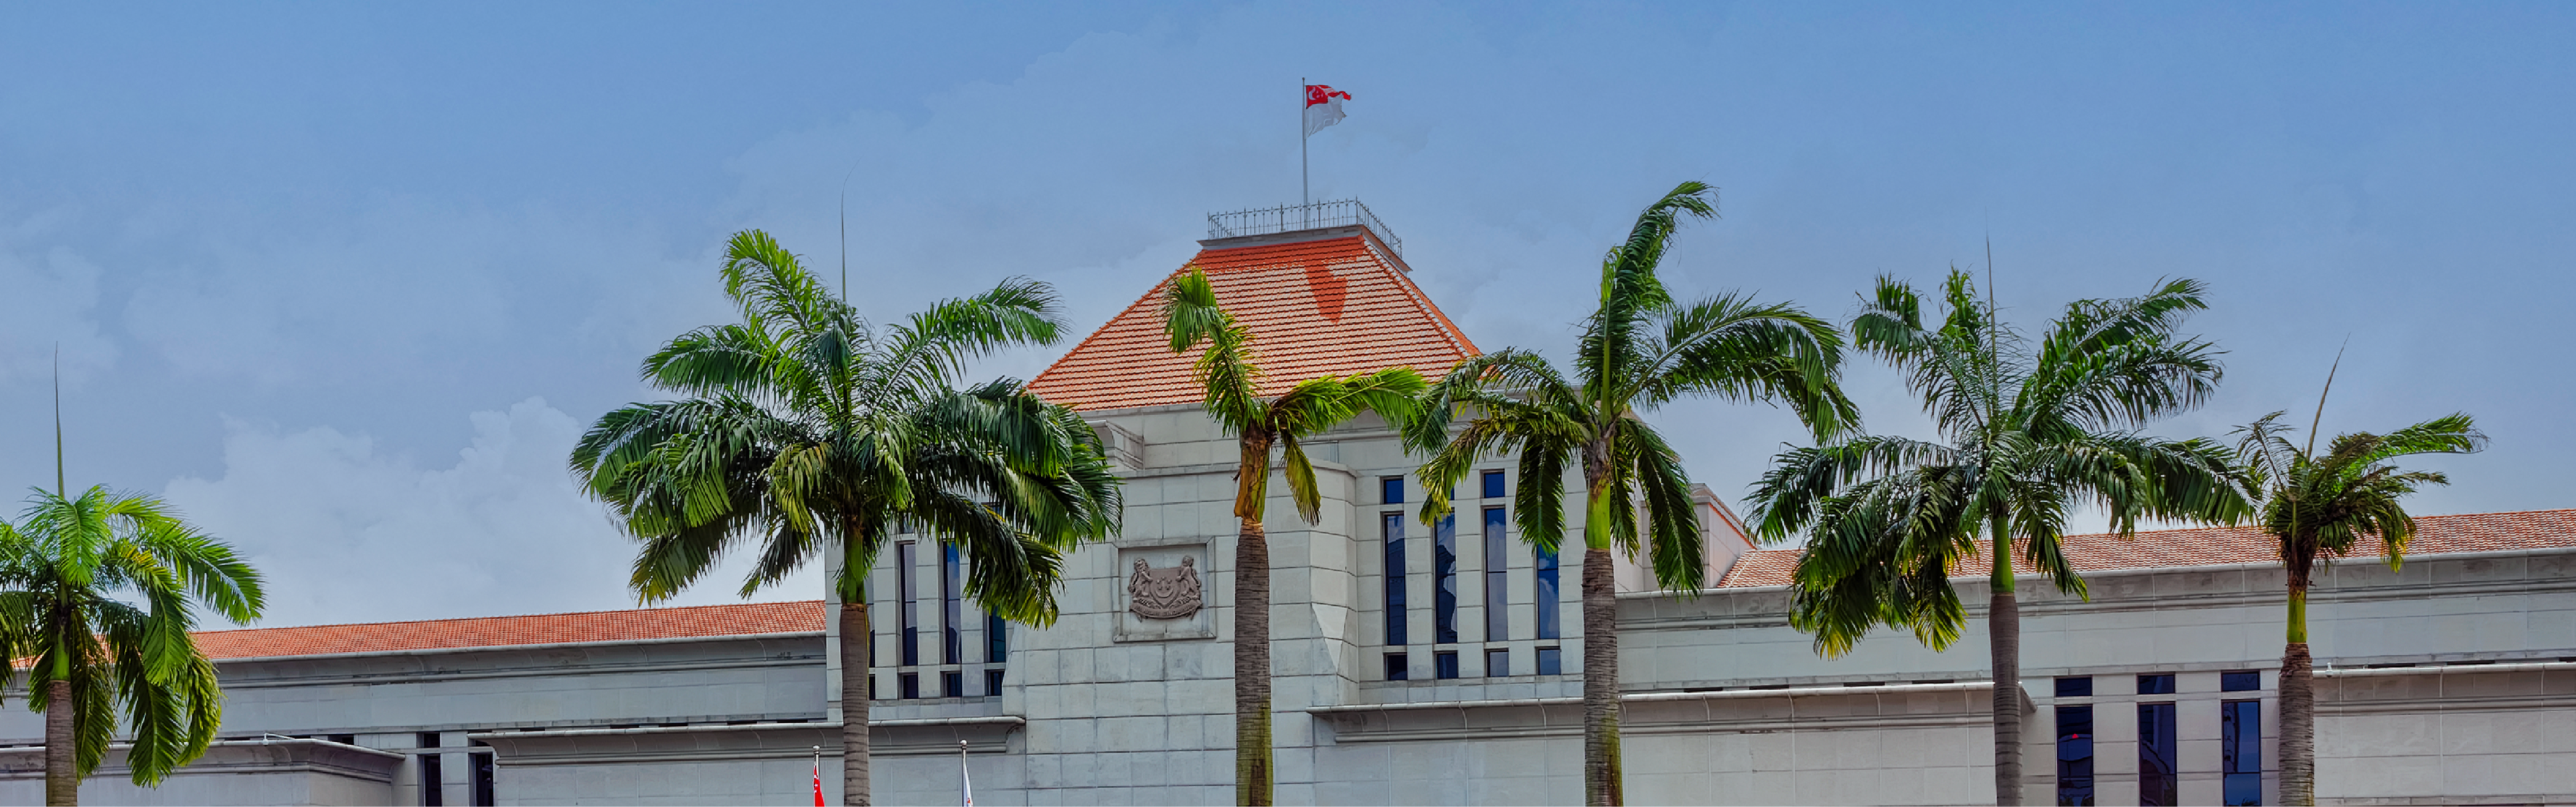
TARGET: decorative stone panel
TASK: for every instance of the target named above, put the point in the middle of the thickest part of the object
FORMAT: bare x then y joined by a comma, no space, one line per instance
1164,593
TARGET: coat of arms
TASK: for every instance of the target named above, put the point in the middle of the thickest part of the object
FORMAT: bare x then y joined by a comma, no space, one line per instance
1169,593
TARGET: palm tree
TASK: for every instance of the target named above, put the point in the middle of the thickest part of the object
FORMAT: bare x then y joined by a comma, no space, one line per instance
1639,350
2032,432
2325,507
1230,373
100,593
808,428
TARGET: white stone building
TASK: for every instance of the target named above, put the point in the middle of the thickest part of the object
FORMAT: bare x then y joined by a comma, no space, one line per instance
1414,665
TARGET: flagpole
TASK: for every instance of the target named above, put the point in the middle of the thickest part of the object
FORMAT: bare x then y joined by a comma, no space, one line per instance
1305,184
965,785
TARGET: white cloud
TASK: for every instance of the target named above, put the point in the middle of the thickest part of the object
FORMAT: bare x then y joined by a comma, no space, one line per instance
347,534
52,295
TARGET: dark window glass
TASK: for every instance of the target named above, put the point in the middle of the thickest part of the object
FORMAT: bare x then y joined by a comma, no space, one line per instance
1444,580
1493,484
2157,773
2240,681
872,689
1551,661
997,638
1547,606
1498,663
2156,684
433,782
483,779
952,611
2240,751
2075,687
1397,669
907,613
1391,489
1444,664
1393,531
343,739
952,684
992,682
2074,755
1498,564
908,686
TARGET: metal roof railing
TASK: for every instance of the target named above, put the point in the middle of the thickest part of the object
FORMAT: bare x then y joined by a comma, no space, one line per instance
1290,218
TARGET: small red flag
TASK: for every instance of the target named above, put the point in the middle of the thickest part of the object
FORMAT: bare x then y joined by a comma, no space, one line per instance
818,780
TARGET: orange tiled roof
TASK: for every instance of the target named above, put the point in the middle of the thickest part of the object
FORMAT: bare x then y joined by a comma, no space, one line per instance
1336,306
503,631
2214,546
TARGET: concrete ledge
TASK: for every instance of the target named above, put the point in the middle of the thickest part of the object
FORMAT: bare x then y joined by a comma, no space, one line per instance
989,735
1736,710
230,756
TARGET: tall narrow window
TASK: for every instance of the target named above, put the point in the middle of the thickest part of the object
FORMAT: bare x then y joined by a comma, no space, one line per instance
433,782
1493,484
908,613
1444,580
2240,751
997,638
2074,755
2158,782
952,610
1498,565
1392,528
1546,623
483,775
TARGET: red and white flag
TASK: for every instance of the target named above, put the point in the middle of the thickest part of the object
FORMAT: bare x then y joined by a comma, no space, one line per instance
1323,107
818,780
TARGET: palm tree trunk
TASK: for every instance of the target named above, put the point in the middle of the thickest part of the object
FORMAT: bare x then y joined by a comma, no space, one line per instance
1601,775
2298,707
62,779
1252,664
2003,633
2004,623
855,645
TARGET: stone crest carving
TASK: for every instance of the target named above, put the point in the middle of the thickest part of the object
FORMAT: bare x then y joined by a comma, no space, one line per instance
1166,593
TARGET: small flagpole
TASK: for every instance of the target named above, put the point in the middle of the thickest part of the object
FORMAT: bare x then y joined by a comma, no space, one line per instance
965,784
1305,183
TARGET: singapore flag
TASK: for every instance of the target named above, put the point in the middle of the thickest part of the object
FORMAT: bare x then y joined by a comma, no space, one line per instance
1323,107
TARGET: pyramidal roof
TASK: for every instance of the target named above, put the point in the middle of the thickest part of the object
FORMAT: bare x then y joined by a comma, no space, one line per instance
1319,302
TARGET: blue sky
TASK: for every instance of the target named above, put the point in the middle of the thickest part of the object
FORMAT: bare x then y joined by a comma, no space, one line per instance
344,280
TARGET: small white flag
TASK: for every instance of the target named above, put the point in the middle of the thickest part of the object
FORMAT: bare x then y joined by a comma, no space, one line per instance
1323,107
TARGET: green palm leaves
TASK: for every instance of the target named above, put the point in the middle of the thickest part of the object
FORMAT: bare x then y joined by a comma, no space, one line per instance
1638,350
2322,507
807,425
1229,373
101,592
2031,431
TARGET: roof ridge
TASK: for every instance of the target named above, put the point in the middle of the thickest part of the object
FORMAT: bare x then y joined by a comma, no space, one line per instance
664,610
